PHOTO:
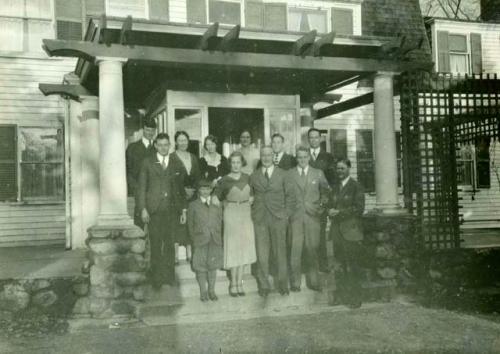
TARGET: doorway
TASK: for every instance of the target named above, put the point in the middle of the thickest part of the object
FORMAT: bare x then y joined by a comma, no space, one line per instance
226,124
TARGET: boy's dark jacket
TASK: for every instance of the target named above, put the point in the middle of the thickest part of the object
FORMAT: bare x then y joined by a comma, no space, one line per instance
204,223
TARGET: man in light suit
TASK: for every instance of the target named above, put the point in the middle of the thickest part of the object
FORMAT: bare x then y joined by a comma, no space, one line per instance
162,200
346,206
311,189
273,203
324,161
135,154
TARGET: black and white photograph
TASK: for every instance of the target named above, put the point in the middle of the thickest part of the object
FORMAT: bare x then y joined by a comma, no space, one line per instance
249,176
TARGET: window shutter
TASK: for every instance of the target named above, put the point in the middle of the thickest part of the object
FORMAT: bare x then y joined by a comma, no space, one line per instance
275,16
8,163
196,11
338,143
443,50
254,14
476,53
158,10
94,7
342,21
69,30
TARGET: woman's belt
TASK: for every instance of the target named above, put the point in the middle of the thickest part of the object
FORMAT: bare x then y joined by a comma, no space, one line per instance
237,202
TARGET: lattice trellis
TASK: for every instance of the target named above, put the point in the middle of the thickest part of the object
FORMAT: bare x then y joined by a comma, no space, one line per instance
439,113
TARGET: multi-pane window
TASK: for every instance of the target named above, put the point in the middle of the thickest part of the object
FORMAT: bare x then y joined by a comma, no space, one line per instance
283,122
465,165
459,53
32,161
365,161
305,20
338,143
483,162
226,12
473,164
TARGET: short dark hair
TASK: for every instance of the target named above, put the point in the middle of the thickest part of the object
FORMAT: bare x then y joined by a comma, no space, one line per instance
149,123
237,154
313,130
278,135
345,161
246,131
210,137
204,182
179,133
303,149
162,136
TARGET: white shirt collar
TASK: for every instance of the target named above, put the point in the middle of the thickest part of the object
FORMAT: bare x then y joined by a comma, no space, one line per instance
146,142
204,200
345,180
300,169
270,170
160,158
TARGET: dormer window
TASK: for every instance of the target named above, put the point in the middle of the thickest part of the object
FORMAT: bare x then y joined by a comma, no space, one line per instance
459,53
305,20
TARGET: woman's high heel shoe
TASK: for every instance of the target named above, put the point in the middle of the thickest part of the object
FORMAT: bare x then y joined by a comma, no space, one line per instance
241,292
232,292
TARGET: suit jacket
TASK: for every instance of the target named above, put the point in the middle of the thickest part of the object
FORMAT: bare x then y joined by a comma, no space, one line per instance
350,201
135,154
154,182
273,196
287,162
326,163
204,223
312,193
191,179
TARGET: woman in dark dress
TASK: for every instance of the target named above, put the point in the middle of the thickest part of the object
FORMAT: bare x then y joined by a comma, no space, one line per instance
213,165
192,167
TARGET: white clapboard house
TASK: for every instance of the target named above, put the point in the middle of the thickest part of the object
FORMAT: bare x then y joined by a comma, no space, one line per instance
204,66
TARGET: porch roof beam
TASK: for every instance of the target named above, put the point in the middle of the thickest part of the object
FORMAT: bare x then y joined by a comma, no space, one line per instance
322,42
345,105
208,37
304,42
229,39
178,57
72,91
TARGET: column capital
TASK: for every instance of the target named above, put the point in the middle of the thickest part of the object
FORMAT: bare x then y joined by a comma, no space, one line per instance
99,60
388,74
90,107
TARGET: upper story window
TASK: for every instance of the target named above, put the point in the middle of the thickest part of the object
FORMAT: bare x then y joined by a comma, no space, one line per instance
277,16
24,23
124,8
459,53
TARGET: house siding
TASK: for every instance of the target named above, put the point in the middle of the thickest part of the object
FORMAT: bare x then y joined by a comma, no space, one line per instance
22,103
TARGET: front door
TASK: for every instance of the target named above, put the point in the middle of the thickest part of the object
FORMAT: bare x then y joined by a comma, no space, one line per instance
225,115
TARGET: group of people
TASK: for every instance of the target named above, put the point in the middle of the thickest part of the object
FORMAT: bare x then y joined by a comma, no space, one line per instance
258,206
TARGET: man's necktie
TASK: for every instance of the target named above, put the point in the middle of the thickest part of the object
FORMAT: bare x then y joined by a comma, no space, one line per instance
207,203
266,174
314,155
276,159
164,163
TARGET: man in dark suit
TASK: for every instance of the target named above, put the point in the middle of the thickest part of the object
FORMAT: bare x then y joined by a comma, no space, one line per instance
346,206
135,154
273,203
280,157
162,200
311,189
324,161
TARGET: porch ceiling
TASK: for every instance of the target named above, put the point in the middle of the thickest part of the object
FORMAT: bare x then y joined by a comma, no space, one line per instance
206,58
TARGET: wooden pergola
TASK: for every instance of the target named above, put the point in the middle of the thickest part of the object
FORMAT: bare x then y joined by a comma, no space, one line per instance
124,61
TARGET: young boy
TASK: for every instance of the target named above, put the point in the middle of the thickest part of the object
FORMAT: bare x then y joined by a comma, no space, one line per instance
204,221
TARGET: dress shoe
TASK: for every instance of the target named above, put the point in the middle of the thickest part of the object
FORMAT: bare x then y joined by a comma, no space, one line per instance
354,304
324,270
295,289
212,296
263,292
204,297
232,291
316,288
156,286
284,292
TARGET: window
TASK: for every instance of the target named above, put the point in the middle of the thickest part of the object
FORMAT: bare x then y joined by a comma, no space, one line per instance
338,143
283,122
124,8
24,23
305,20
226,12
365,159
39,164
343,21
189,120
269,16
459,53
465,166
483,162
398,156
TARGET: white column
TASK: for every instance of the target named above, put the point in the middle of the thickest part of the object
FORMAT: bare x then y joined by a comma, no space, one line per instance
113,184
89,136
386,170
75,188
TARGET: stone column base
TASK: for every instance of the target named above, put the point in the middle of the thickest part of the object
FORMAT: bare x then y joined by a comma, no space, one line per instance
117,270
390,238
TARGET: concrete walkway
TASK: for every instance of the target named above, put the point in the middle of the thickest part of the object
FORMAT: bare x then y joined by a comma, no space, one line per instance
387,328
40,262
